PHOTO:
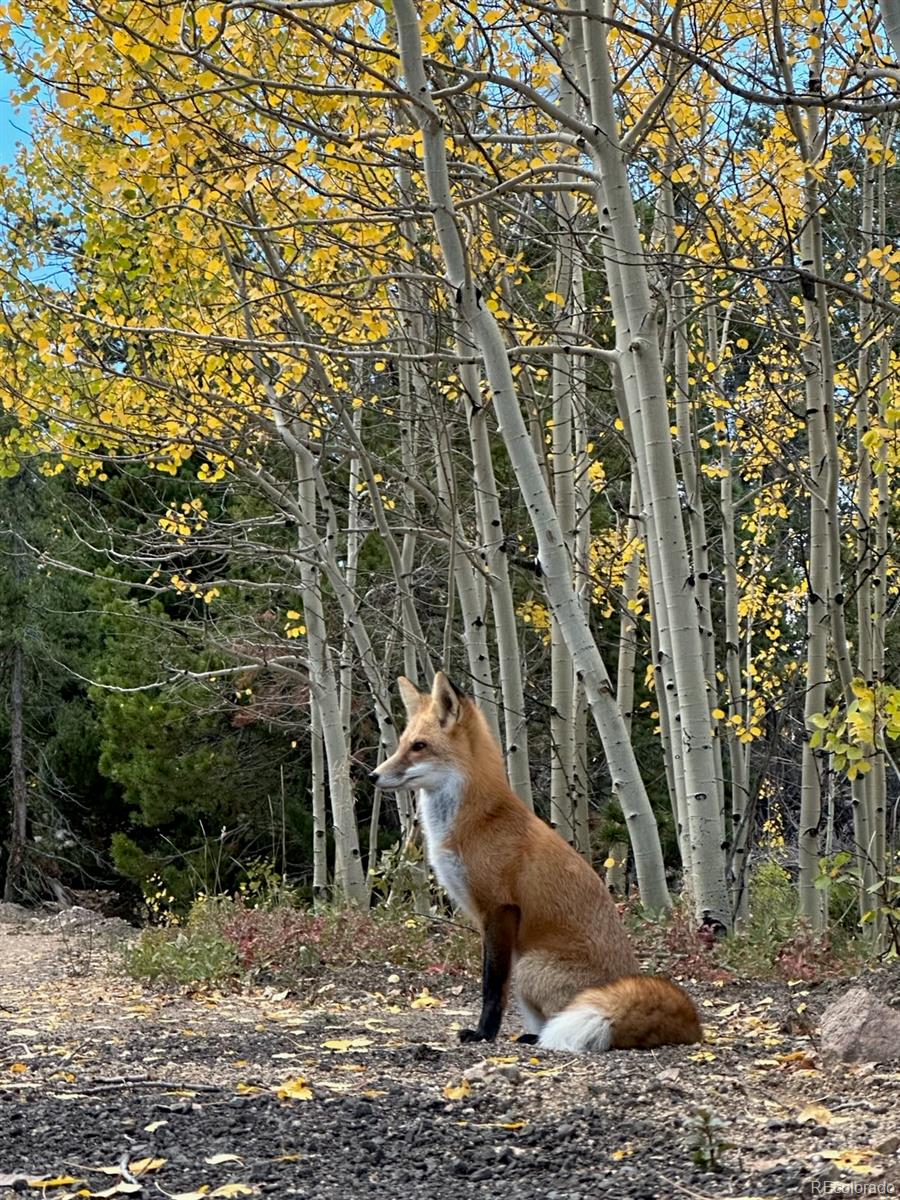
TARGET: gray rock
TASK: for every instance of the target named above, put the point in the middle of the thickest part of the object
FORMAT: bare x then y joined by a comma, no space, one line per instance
889,1145
13,914
859,1028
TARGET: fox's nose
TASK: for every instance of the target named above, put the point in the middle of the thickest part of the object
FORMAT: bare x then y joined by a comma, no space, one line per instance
373,776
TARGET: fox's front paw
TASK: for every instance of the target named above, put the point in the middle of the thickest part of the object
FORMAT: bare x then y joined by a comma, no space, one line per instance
472,1035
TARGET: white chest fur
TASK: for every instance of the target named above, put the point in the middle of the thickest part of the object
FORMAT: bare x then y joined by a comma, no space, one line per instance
438,808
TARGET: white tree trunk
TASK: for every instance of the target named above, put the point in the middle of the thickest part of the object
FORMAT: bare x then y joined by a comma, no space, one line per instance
645,393
494,556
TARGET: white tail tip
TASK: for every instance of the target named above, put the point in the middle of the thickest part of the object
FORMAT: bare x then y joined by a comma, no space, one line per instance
580,1029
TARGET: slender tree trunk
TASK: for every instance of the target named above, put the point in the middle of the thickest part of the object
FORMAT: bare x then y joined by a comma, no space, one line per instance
738,755
471,591
564,382
645,393
348,871
861,786
14,886
317,790
628,620
494,556
817,612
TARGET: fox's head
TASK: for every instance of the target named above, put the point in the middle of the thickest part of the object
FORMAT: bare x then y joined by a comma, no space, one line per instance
434,746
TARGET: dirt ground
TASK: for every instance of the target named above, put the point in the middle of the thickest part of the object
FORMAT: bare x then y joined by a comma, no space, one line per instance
358,1086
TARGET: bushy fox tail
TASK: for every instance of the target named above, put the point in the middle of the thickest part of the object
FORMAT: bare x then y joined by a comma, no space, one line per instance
635,1011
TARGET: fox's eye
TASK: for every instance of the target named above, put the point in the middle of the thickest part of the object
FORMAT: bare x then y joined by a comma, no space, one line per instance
419,746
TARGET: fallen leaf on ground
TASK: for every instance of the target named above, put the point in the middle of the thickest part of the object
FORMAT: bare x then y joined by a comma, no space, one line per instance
856,1160
223,1158
425,1000
143,1165
342,1044
817,1113
53,1182
294,1089
457,1091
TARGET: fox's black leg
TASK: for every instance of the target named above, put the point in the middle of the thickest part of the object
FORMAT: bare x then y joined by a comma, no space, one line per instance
498,943
527,1039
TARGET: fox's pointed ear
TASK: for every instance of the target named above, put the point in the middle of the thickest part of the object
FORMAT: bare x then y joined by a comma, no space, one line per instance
447,700
410,695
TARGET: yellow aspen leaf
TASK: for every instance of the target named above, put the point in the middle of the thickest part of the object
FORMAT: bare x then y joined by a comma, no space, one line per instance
425,1000
342,1044
554,297
96,95
457,1091
294,1089
54,1181
232,1189
143,1165
718,714
814,1114
855,1160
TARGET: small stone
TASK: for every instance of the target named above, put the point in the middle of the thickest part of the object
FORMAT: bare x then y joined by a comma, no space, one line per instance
889,1145
860,1028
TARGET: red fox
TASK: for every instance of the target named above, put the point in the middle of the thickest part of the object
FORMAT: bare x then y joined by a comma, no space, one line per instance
547,922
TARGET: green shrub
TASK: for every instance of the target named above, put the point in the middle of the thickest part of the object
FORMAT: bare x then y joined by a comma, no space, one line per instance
181,956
